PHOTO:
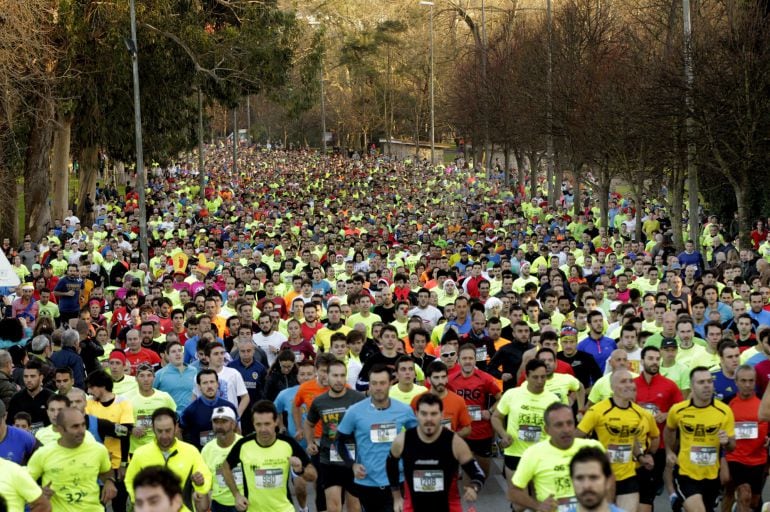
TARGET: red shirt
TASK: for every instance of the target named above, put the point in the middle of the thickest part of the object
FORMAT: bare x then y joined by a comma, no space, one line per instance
561,367
750,433
476,390
308,333
145,355
763,376
657,396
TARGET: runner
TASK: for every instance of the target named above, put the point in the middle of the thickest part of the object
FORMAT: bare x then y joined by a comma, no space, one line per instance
270,458
545,464
431,458
705,426
373,425
329,409
522,410
214,454
157,489
19,489
591,477
628,432
456,417
480,392
181,458
746,464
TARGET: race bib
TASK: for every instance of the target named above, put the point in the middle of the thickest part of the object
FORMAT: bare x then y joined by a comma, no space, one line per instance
428,480
237,476
566,504
144,421
703,455
619,453
481,354
746,430
475,412
382,433
529,433
268,478
36,426
652,408
334,455
446,423
206,436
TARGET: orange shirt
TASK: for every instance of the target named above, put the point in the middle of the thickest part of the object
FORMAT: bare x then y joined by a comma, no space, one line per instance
306,393
455,416
750,434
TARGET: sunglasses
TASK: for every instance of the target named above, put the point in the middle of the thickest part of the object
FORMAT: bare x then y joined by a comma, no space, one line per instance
449,354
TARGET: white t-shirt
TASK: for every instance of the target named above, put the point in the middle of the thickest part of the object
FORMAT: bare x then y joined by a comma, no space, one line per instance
231,385
270,344
430,316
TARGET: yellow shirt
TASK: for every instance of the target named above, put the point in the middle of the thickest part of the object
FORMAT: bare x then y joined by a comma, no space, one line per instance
699,428
618,430
214,456
119,412
406,396
17,487
525,417
72,474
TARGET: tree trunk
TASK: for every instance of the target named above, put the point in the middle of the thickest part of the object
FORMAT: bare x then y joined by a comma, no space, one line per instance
604,197
60,166
741,189
534,164
521,177
558,177
9,218
506,164
89,172
576,200
37,164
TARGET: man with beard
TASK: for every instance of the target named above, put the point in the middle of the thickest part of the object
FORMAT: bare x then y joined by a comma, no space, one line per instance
431,456
591,477
455,412
329,408
657,394
214,454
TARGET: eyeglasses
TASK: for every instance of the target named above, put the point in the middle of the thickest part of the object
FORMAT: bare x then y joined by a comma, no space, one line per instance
449,354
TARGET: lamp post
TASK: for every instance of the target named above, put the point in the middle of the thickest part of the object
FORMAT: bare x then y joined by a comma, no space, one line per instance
315,23
432,104
140,180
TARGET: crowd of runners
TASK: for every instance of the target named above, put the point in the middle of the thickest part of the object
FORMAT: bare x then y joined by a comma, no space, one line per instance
379,331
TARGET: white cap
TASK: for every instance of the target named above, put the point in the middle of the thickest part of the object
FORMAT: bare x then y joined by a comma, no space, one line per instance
223,413
614,305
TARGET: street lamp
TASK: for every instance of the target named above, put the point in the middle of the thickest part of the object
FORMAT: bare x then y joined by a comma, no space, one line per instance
133,50
315,23
432,105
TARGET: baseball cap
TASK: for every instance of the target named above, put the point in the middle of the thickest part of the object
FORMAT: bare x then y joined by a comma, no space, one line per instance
614,305
221,413
668,343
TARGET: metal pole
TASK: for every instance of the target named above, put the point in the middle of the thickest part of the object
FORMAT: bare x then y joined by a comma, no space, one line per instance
549,105
484,111
235,140
201,162
248,116
692,171
323,110
432,105
140,179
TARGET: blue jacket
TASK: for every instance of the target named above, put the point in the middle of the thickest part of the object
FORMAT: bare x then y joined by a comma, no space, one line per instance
67,357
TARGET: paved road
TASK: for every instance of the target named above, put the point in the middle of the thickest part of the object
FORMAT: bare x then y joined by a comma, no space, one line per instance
493,498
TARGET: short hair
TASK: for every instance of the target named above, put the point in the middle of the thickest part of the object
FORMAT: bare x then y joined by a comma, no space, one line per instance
649,348
338,336
99,379
435,367
698,369
591,454
58,398
378,368
206,371
325,359
533,364
64,369
165,411
5,357
39,343
403,359
545,350
429,399
170,345
157,476
264,406
556,406
724,345
70,338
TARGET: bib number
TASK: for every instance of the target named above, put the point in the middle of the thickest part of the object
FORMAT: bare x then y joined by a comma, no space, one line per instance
446,423
206,436
746,430
382,433
652,408
237,476
428,480
529,433
566,504
144,421
475,412
268,478
619,453
334,455
481,354
703,455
